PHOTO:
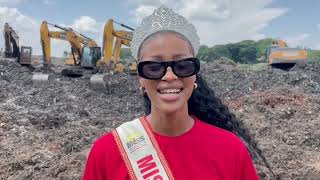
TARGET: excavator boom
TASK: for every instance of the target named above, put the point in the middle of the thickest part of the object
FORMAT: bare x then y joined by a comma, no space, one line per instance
110,50
11,39
112,43
77,41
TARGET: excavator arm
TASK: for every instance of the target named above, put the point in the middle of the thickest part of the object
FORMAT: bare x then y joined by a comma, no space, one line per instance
122,38
45,43
108,39
76,40
113,40
11,39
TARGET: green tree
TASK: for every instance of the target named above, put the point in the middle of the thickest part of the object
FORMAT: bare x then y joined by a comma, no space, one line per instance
262,46
219,51
203,53
314,55
234,50
247,52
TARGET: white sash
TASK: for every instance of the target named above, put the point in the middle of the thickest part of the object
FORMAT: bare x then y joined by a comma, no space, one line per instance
140,151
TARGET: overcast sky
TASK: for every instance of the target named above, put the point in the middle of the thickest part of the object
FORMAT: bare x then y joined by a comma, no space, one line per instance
217,21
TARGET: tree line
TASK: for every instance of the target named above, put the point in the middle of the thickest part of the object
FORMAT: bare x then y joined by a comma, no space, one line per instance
244,52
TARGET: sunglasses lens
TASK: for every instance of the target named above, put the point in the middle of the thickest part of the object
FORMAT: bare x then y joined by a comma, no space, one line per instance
181,68
153,70
184,68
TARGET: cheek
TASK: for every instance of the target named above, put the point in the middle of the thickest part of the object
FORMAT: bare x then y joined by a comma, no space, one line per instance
151,87
189,85
189,82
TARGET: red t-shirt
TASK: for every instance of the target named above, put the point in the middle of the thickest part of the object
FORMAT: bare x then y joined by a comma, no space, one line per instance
204,152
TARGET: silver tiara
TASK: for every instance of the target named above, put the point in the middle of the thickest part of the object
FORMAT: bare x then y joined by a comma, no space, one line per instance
164,19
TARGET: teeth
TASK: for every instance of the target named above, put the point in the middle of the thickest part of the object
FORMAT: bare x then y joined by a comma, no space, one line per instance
166,91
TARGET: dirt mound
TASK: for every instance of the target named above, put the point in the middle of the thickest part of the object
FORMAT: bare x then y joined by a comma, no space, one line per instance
286,126
46,132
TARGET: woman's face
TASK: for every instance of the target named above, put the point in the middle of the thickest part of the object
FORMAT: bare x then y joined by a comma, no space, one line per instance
170,93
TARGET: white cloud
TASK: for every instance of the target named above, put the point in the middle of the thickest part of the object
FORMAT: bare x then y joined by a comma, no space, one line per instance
26,27
49,2
10,3
206,10
298,40
142,11
220,21
318,26
28,30
317,47
85,24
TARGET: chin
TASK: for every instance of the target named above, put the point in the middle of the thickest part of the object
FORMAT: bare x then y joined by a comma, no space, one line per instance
170,109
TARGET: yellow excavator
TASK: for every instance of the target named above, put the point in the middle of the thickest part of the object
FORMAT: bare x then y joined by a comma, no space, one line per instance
112,43
85,51
281,56
12,50
81,45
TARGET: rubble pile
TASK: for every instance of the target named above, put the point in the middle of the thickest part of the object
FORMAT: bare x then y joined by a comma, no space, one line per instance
46,132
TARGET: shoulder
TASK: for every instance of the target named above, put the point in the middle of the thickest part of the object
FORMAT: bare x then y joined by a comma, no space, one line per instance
220,136
104,142
105,149
232,149
107,141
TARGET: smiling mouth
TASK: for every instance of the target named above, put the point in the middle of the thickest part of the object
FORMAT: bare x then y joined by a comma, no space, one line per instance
170,91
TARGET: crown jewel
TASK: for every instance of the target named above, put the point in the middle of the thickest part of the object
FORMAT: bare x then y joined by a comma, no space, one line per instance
164,19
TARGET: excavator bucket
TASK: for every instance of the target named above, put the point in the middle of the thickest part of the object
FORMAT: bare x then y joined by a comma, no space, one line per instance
39,79
98,82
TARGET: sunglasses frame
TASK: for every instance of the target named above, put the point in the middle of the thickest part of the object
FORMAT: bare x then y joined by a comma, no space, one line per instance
167,64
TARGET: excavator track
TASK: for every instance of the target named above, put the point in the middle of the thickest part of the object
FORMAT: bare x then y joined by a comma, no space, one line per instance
74,73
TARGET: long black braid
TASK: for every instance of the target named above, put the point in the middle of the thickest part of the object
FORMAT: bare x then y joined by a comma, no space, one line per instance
208,108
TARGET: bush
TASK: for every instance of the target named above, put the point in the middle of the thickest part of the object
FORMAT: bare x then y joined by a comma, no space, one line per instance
253,67
226,61
314,56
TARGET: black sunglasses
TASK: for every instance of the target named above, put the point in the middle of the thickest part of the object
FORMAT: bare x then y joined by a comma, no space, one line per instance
156,70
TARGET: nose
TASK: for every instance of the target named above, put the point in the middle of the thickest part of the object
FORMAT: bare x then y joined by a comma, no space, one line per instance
169,76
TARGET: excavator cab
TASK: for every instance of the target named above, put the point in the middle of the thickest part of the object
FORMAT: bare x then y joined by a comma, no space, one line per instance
25,55
90,56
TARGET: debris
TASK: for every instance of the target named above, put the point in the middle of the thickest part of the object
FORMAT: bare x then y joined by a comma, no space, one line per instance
46,131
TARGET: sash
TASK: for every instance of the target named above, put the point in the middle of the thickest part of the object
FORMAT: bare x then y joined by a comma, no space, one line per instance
141,152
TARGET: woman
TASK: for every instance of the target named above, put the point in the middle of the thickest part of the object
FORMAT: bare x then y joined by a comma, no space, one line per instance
187,132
